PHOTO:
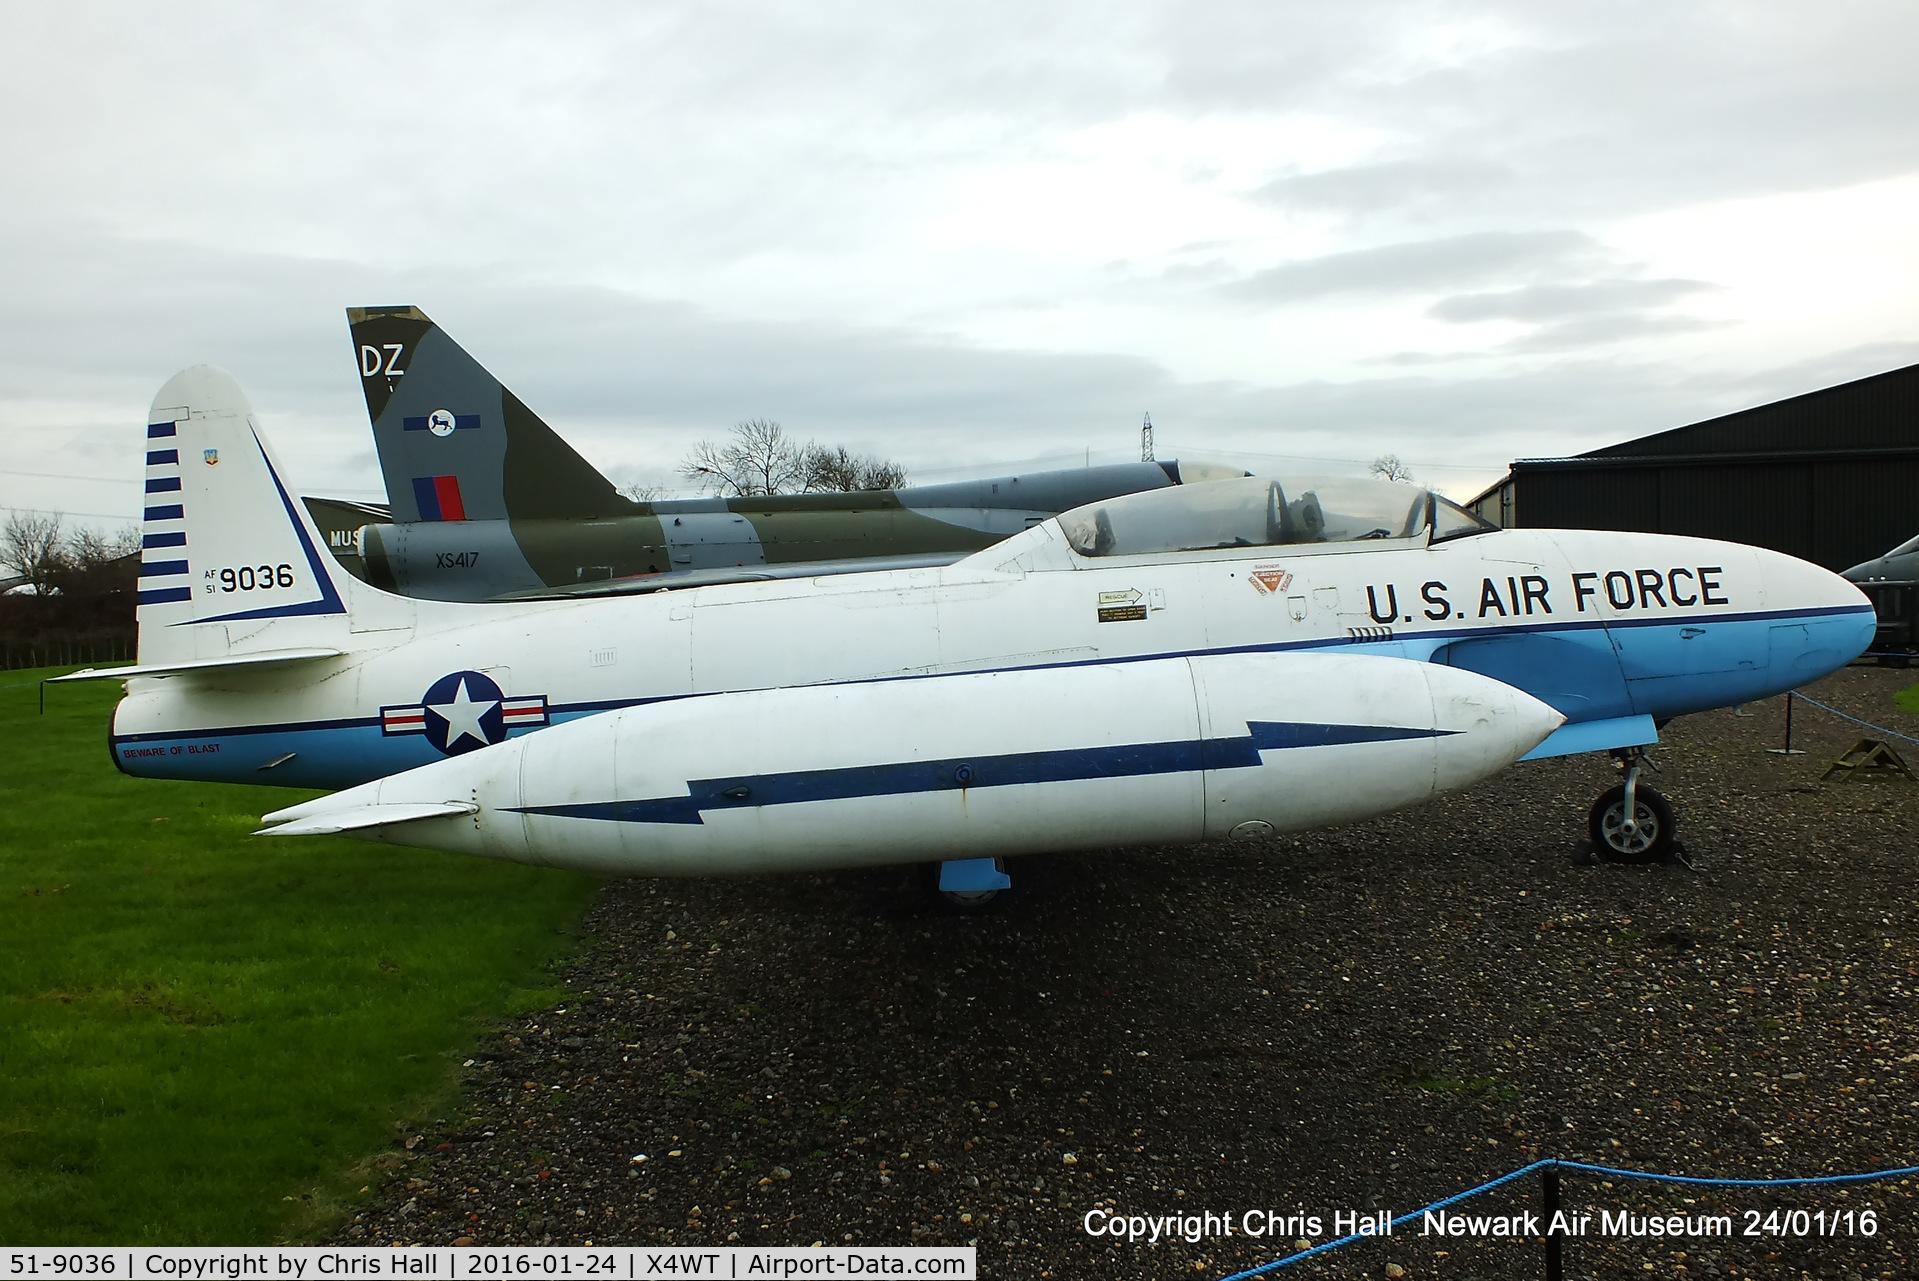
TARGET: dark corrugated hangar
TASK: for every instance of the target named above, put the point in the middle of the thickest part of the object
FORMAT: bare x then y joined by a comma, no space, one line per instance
1831,477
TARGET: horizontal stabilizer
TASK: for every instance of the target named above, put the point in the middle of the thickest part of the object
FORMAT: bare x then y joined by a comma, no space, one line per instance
264,658
314,819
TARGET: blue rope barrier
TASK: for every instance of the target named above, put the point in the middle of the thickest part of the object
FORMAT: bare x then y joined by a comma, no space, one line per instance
1868,1177
1291,1259
1877,729
1556,1163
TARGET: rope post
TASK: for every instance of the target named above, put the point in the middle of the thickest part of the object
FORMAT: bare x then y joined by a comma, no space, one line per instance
1555,1241
1788,749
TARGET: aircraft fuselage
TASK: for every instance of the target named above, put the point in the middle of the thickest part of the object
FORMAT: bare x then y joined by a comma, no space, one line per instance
1618,631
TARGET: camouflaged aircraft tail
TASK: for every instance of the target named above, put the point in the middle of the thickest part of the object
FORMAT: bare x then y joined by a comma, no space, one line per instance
454,443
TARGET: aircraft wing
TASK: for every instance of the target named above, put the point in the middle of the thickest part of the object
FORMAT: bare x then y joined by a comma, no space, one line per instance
288,822
262,658
635,585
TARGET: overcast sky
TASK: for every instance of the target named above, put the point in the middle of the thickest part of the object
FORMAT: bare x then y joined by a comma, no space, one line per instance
961,236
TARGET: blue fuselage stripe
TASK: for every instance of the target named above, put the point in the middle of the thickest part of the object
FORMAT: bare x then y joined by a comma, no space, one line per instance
1130,760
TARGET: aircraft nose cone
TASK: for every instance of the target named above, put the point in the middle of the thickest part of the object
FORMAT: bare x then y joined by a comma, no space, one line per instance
1836,617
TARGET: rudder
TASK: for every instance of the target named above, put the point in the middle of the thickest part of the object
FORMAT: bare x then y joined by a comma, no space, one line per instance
223,541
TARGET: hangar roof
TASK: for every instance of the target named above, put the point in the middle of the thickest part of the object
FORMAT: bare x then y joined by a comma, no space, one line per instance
1867,415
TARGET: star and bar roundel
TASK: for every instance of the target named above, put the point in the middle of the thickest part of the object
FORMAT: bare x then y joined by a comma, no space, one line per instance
463,712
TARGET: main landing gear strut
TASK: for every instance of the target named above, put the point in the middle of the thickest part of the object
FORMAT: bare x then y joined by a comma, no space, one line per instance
1630,822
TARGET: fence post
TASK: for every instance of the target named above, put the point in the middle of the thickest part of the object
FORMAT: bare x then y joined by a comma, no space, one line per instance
1788,749
1555,1242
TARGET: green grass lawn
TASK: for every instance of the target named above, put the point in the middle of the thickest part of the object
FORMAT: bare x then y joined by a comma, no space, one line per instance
205,1036
1908,699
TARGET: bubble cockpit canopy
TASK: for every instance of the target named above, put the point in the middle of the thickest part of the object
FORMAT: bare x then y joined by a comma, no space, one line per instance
1261,511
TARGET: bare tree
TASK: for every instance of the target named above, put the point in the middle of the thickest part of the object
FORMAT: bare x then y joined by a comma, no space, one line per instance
1389,467
837,469
89,548
31,546
760,459
643,493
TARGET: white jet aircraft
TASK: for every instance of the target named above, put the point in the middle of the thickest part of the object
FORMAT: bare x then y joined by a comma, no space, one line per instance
1231,658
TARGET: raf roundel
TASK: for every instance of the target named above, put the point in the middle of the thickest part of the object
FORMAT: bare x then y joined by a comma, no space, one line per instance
441,422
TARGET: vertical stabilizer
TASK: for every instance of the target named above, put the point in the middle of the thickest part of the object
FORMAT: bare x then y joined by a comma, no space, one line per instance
454,443
226,550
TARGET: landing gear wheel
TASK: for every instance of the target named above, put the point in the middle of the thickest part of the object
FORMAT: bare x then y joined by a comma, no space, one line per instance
1648,838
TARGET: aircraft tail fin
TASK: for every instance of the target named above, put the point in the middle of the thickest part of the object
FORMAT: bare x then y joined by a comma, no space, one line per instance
454,443
230,559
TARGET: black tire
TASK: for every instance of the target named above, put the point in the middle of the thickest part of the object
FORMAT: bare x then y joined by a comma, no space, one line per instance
1656,826
968,900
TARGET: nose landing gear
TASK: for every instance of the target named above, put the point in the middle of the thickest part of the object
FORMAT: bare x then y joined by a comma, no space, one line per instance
1630,822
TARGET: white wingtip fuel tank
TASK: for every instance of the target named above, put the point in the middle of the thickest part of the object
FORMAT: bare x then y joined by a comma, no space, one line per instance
978,765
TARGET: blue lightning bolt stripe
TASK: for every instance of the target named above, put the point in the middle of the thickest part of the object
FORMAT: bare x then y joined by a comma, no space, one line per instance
1131,760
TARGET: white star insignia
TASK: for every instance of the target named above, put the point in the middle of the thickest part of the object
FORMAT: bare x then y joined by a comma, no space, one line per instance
462,715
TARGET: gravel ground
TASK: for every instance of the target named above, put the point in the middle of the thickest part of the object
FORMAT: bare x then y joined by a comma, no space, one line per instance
1363,1019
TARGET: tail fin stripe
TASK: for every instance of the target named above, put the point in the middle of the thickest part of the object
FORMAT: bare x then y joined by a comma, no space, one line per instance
157,456
164,596
164,540
161,568
163,485
174,512
159,429
427,497
424,422
438,497
451,507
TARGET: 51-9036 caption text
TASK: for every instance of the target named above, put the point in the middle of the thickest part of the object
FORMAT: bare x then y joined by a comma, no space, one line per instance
459,1263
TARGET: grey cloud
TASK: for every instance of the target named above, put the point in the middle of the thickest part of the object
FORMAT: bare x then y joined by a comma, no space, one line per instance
1390,185
1595,331
1197,273
1595,111
635,380
1422,266
1547,302
716,131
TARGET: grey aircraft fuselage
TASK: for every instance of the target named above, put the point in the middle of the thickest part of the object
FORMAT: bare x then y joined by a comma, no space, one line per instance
1891,583
476,560
488,502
